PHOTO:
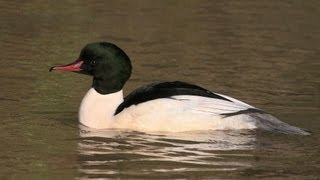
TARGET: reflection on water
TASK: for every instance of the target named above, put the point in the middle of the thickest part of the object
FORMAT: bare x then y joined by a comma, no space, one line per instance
109,152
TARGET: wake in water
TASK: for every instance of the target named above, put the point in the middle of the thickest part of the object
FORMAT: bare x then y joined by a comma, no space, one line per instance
114,153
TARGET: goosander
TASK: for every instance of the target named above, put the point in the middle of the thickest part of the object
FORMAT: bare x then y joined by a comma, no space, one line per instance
164,106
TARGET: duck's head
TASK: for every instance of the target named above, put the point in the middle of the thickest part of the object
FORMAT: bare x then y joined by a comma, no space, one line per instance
107,63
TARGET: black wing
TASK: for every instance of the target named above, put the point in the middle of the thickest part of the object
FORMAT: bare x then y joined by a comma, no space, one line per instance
164,90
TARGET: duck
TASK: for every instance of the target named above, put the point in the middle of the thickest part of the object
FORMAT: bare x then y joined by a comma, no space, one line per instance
166,106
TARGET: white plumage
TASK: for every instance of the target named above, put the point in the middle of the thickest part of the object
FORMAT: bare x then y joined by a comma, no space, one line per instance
175,114
97,110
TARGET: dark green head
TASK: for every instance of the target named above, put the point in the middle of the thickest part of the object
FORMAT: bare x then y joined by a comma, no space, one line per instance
106,62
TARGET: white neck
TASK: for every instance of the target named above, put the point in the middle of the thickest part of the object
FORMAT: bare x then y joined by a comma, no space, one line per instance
97,110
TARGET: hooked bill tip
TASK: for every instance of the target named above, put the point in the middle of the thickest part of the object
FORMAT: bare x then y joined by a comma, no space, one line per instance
74,67
51,69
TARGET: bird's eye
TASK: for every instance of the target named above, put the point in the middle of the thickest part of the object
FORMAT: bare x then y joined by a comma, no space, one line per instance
93,62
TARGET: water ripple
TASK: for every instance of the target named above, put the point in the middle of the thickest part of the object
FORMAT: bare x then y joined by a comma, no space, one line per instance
103,151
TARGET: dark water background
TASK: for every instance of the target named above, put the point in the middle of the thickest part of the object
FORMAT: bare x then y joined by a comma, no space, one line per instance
266,53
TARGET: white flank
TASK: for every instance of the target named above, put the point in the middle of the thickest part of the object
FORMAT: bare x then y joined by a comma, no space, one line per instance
184,113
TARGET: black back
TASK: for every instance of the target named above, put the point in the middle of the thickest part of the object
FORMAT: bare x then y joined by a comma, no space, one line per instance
164,90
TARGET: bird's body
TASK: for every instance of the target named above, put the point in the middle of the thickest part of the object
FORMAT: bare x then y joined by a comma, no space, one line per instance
174,113
166,106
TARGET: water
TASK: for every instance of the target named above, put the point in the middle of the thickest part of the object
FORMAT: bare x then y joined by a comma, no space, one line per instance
264,53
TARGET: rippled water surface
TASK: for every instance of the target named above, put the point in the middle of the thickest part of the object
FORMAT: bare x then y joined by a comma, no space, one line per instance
266,53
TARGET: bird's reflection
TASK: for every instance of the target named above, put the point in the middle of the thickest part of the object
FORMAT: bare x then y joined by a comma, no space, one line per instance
114,152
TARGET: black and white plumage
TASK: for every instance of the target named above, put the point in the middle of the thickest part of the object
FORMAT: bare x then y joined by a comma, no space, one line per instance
165,106
164,90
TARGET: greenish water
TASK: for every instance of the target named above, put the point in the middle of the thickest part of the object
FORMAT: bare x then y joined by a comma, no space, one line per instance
264,53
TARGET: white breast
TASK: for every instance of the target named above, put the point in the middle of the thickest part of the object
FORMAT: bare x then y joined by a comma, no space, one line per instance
97,110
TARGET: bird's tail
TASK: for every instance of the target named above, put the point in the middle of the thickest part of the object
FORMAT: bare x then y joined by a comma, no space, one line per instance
268,122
